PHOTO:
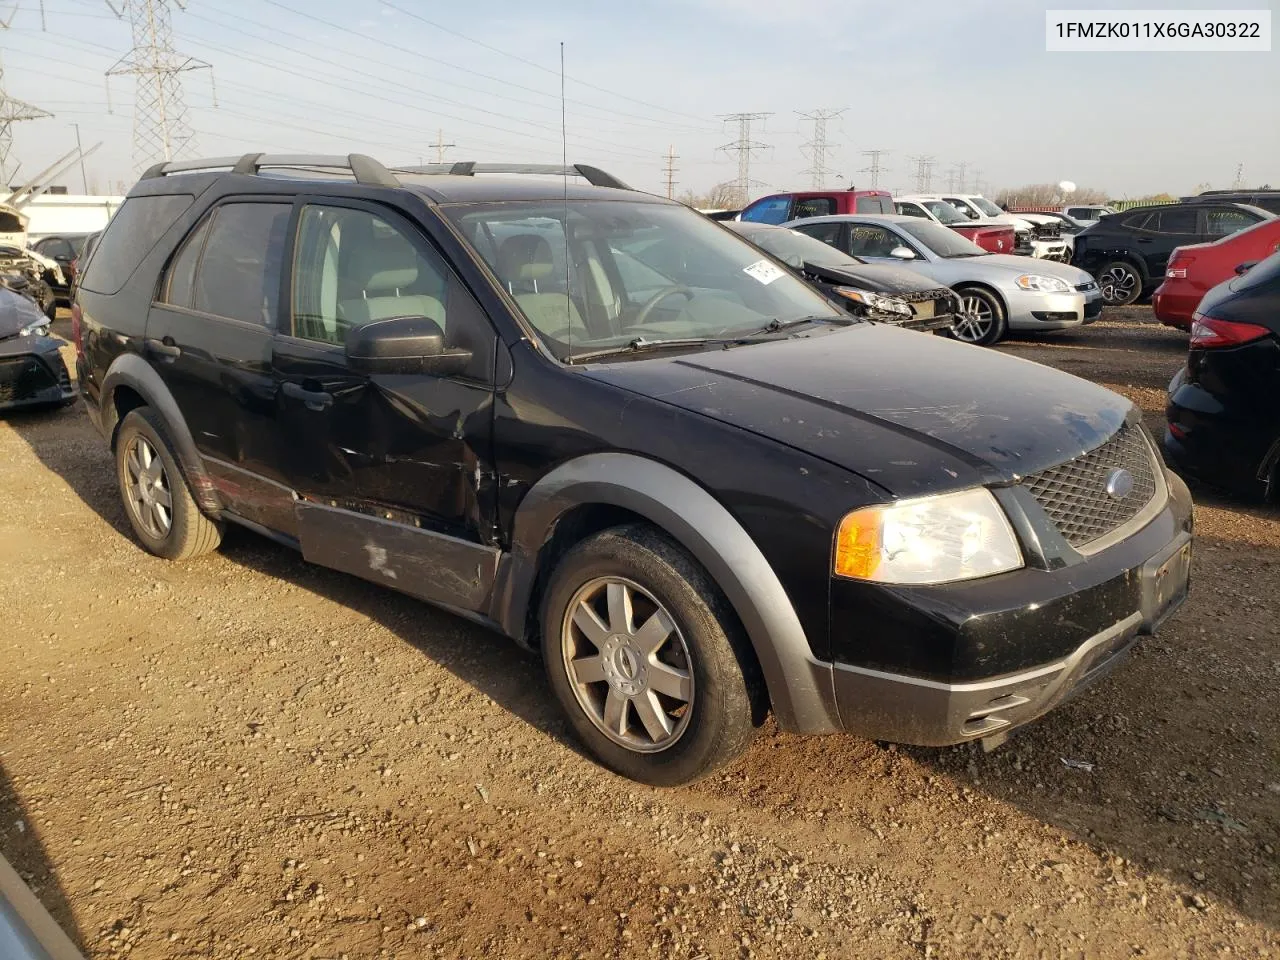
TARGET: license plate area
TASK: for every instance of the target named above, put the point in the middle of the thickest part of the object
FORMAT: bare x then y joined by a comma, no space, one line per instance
1165,579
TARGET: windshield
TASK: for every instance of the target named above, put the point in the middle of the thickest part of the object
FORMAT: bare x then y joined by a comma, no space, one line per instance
943,241
986,206
796,249
596,274
944,211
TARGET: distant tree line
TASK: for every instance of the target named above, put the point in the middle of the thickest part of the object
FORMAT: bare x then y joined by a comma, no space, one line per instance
1048,195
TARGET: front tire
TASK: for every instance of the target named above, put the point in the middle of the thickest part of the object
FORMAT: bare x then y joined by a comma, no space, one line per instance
161,510
1120,283
647,658
981,318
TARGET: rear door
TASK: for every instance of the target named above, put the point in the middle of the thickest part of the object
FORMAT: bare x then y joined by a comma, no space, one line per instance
1169,227
209,336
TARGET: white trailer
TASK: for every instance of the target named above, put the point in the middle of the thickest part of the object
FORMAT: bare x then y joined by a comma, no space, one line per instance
53,214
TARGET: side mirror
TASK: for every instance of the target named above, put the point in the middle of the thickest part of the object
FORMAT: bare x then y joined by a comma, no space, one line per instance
403,345
1243,268
902,253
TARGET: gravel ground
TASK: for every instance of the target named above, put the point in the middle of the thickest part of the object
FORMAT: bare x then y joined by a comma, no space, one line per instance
249,756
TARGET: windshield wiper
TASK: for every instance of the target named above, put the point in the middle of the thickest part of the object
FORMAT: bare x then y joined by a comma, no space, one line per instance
774,325
641,345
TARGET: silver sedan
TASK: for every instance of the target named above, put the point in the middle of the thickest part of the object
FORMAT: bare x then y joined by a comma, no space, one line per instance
998,292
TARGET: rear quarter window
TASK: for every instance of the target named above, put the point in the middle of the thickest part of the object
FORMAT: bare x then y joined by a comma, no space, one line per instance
874,205
129,237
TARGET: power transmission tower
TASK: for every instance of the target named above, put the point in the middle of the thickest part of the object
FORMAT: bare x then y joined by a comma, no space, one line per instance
874,168
1237,182
744,147
924,173
961,167
160,128
12,110
669,171
951,180
818,145
441,146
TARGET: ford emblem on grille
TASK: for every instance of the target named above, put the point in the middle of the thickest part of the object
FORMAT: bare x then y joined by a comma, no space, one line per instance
1119,483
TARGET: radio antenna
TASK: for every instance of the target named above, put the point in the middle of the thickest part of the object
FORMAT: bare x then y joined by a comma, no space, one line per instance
564,160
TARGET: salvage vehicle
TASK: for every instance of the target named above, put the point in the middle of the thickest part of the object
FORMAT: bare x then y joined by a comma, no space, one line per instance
1088,213
32,373
1224,405
778,208
998,292
1039,235
1194,269
888,294
1128,252
40,273
63,250
604,425
992,235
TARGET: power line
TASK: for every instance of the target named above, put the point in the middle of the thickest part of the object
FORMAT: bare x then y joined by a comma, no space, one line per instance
924,173
744,147
12,110
874,167
818,145
669,171
160,128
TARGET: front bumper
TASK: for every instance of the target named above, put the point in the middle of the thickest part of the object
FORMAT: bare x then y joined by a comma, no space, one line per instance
1056,250
1083,618
32,374
1049,311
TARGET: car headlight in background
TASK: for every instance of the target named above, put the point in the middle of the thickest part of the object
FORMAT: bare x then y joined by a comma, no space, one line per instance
954,536
876,302
37,328
1038,284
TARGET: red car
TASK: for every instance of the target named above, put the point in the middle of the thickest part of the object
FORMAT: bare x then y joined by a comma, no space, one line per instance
1193,270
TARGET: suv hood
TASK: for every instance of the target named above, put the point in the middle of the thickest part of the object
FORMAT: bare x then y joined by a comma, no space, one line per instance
916,414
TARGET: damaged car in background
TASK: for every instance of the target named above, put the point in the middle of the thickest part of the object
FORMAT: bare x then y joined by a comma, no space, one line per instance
39,275
32,373
881,292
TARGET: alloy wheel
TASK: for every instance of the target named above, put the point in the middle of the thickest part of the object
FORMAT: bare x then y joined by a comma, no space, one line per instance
974,320
1117,285
628,664
150,498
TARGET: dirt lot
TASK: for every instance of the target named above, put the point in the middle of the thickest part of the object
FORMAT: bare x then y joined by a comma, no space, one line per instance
248,756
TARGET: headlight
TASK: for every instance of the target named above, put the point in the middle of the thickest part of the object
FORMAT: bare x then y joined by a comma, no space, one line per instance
876,302
36,328
955,536
1038,284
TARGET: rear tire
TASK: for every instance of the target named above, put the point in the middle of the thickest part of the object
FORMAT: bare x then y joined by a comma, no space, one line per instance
648,659
161,510
981,318
1120,283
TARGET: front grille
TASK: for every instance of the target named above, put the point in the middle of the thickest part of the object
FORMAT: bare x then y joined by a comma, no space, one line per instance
1074,494
21,378
1047,231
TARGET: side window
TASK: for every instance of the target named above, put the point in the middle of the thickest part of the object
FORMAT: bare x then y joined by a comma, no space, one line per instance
129,237
1145,220
873,205
963,207
1174,220
1220,222
815,207
911,210
1271,204
238,275
828,233
55,247
352,267
867,240
769,210
181,278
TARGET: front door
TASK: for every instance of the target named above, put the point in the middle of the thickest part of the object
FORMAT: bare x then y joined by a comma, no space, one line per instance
380,458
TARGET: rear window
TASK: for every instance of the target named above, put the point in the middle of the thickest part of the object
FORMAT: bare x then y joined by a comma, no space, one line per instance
874,205
129,237
1271,204
1174,220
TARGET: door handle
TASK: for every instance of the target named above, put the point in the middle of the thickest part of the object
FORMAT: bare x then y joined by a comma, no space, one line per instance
165,348
316,400
1144,239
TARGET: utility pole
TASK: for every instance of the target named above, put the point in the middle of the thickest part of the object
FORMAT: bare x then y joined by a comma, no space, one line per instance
744,147
924,173
160,128
441,146
818,145
84,179
669,171
12,110
873,167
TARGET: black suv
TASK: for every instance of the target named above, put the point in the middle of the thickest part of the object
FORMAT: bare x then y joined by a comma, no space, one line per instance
1127,252
610,428
1265,199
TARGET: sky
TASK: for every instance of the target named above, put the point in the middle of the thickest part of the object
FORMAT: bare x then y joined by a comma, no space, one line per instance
965,81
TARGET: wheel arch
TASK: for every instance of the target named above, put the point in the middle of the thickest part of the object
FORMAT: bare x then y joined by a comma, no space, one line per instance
986,288
601,490
131,382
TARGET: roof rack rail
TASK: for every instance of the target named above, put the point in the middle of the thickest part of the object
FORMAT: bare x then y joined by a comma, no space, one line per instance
469,168
366,170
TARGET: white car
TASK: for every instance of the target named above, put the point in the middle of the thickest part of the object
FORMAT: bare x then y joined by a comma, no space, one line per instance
1044,232
1087,214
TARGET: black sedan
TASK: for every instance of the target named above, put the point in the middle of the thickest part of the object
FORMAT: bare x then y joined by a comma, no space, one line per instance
1224,407
32,373
873,291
